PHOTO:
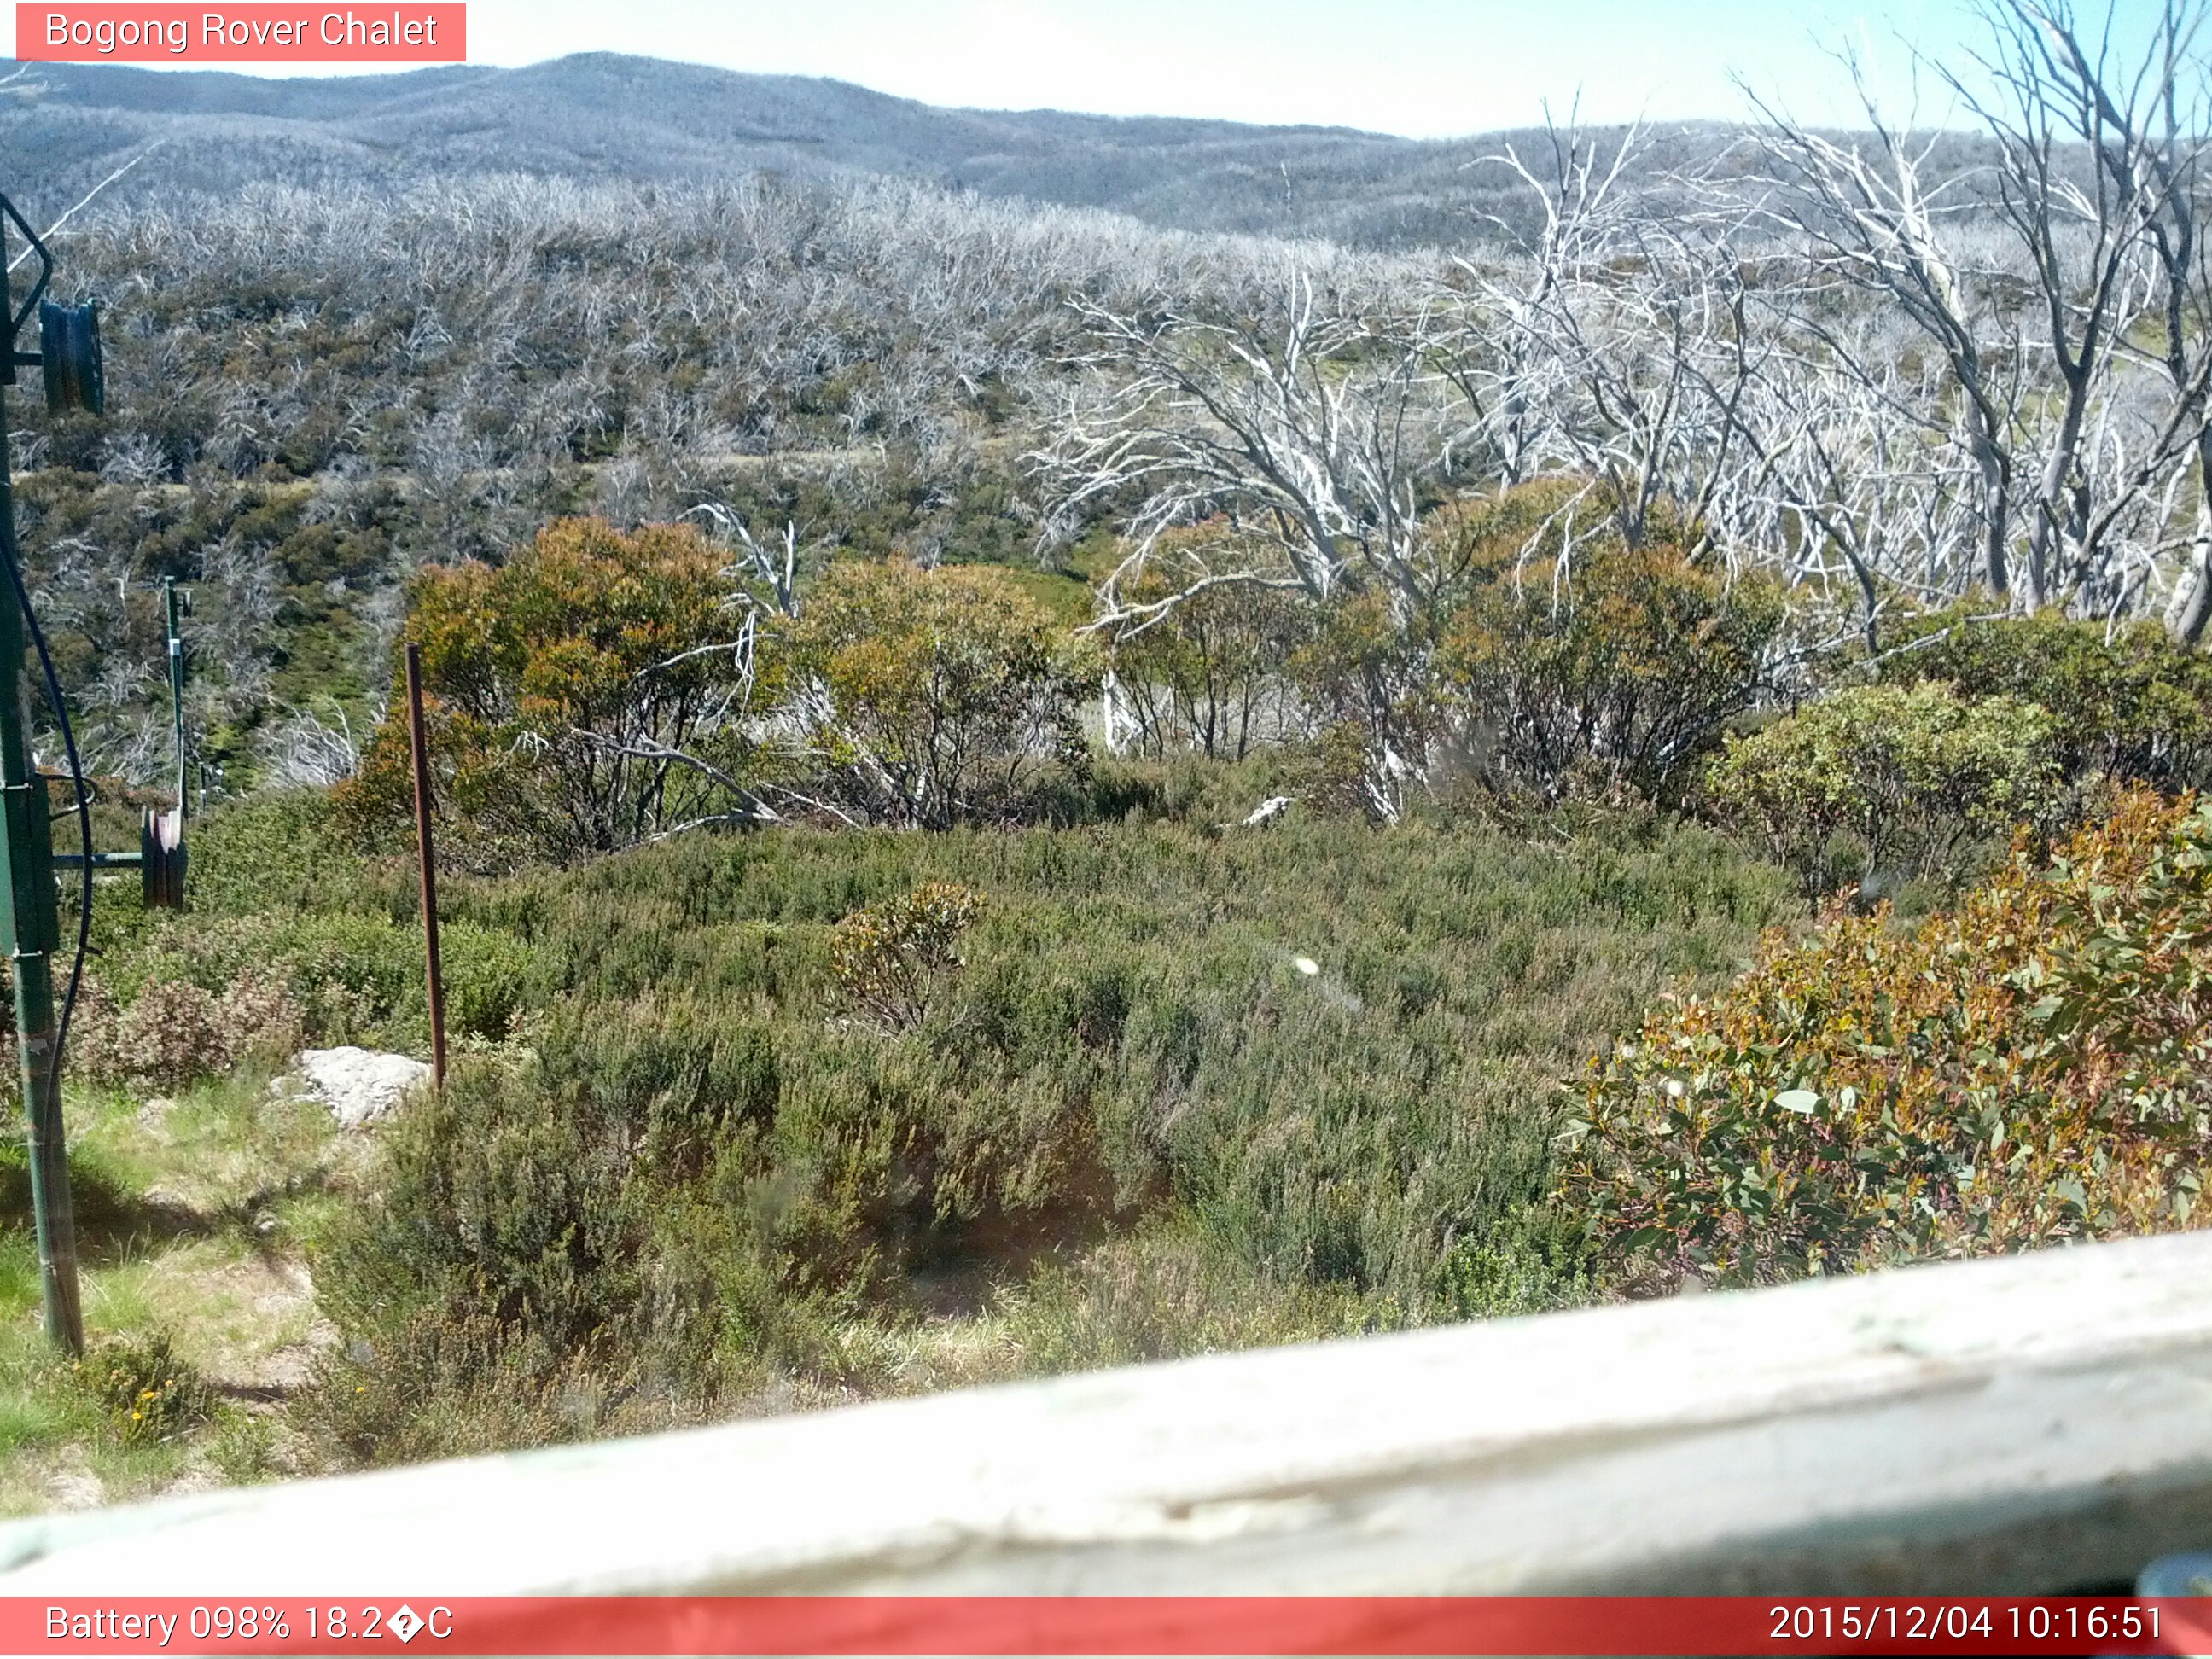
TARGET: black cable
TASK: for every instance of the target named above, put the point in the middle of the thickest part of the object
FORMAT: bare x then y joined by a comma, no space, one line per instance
84,814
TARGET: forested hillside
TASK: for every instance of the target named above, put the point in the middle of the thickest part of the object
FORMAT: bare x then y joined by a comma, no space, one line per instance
312,394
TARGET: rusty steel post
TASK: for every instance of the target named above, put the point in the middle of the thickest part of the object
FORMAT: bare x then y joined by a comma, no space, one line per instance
428,863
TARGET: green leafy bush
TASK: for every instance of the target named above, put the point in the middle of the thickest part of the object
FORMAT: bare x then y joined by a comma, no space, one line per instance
1881,783
145,1388
2124,704
561,689
2035,1068
931,697
697,1186
1164,1292
350,976
1366,676
1209,673
894,960
661,1207
173,1032
489,976
1611,672
276,851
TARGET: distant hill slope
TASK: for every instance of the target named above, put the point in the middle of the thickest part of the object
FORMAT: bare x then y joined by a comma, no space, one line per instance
602,116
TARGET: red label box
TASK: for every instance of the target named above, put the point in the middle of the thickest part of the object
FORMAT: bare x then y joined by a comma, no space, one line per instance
1132,1626
301,34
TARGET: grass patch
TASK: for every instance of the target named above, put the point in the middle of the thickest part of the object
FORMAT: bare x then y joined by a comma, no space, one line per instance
191,1212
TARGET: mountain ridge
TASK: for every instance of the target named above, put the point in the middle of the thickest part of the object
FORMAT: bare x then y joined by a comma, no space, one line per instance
605,116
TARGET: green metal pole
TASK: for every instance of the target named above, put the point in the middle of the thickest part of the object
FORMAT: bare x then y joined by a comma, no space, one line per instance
176,688
29,930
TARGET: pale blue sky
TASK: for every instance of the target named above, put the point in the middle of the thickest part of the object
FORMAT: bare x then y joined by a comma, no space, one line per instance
1424,68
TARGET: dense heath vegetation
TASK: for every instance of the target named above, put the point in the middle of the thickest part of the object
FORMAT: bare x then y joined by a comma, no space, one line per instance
1020,792
782,1112
707,1147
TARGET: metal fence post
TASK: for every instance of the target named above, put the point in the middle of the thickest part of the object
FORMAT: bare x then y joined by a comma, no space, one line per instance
429,862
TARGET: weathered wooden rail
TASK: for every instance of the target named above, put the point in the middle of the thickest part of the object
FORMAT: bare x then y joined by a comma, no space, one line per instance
2032,1425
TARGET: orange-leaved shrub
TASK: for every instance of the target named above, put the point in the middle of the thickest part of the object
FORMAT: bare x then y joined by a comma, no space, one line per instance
2035,1067
580,697
926,698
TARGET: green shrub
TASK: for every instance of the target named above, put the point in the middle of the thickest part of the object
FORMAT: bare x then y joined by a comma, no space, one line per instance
489,976
1209,674
1164,1292
347,976
2034,1069
894,960
145,1390
1366,676
696,1184
1537,1261
558,688
271,853
1882,783
2124,704
654,1202
436,1381
931,697
1612,672
174,1032
499,1250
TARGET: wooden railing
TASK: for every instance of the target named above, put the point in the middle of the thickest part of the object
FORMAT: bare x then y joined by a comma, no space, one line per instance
2038,1423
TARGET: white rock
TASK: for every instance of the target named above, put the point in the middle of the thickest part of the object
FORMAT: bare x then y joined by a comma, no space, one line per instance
358,1085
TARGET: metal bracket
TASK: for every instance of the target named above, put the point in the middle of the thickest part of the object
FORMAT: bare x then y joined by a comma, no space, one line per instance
17,318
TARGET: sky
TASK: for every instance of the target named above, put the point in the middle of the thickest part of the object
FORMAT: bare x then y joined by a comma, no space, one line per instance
1421,68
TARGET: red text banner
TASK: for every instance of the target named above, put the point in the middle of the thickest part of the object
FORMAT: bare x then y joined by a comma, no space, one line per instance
1102,1625
237,34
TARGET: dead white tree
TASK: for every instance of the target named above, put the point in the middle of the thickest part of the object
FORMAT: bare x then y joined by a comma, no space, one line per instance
2063,287
2146,122
1317,424
2081,184
1502,355
1617,345
304,750
1870,211
1313,422
1853,482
